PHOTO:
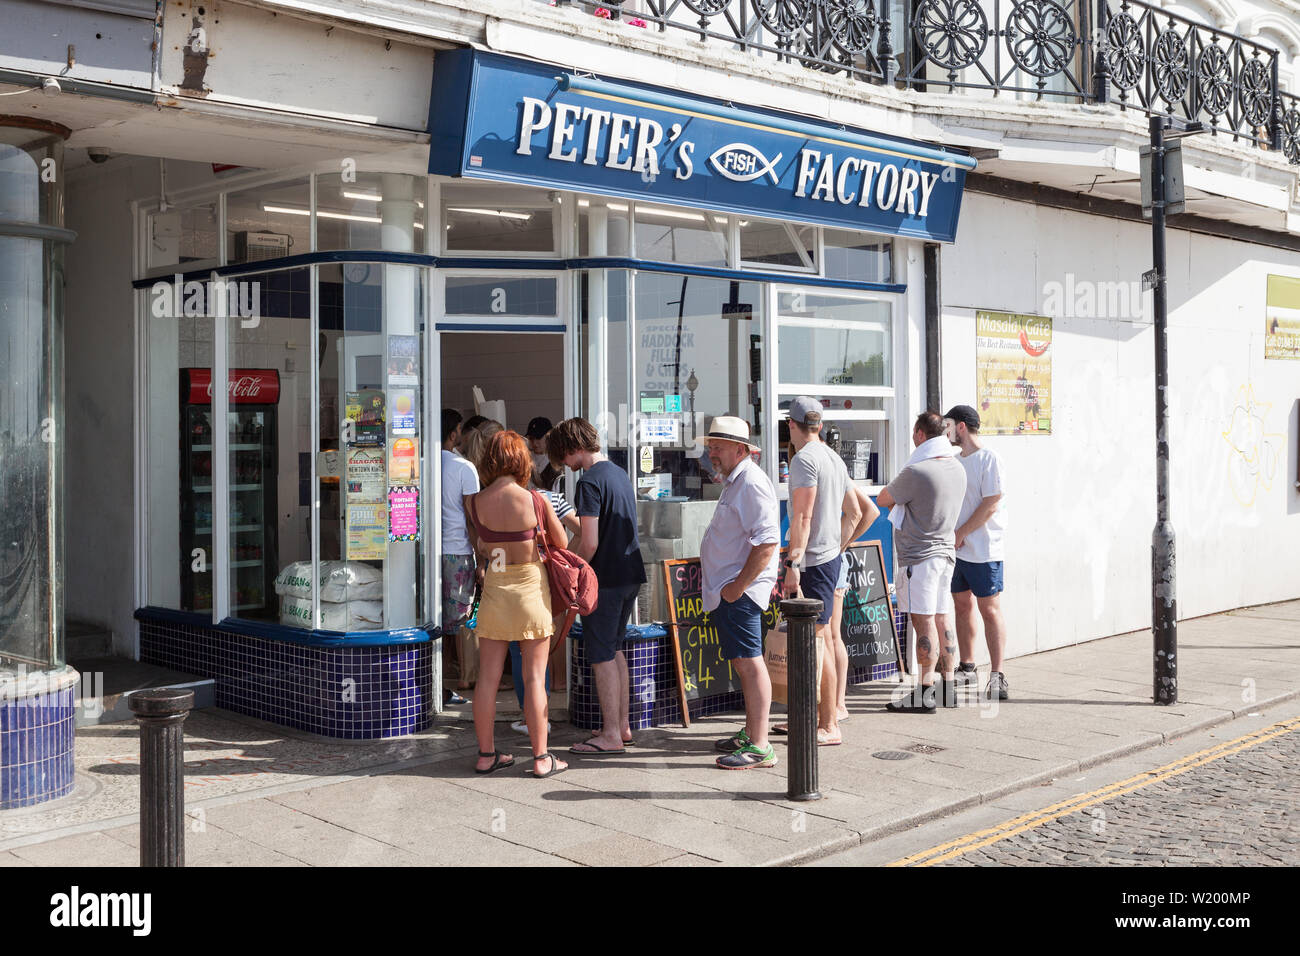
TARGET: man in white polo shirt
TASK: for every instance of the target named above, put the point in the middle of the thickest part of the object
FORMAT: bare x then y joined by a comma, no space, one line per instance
738,558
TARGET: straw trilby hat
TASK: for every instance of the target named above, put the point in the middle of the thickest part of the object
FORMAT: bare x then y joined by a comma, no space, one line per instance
731,428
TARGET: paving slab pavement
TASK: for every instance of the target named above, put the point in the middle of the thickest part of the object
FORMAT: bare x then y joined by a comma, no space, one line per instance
262,795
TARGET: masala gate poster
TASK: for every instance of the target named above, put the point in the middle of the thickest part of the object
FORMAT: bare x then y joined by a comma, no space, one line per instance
1013,373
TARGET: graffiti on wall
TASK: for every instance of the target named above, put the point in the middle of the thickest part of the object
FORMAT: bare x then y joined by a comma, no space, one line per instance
1256,455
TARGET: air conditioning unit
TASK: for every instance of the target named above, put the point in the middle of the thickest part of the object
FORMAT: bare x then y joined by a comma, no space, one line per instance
255,246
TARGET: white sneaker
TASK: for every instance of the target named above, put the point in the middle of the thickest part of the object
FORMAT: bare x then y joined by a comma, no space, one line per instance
520,727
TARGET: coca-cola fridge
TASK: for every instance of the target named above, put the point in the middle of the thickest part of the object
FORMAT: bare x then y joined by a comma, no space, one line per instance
253,395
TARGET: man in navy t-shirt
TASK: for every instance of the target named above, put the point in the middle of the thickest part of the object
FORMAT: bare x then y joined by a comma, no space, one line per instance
606,504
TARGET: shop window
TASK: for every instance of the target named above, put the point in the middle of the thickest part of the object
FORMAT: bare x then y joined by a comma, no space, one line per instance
602,367
858,257
665,234
839,350
604,228
180,338
501,295
269,434
351,214
184,239
697,353
778,245
369,453
498,220
268,222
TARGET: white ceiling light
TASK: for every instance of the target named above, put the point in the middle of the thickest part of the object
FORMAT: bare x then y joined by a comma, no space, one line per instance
326,214
525,216
371,197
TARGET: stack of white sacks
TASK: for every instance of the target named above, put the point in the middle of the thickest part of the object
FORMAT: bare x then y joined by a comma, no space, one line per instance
351,596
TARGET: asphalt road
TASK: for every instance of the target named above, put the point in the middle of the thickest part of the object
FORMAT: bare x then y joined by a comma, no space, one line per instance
1226,797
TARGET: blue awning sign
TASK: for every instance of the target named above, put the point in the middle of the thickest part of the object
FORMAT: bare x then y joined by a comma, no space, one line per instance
498,118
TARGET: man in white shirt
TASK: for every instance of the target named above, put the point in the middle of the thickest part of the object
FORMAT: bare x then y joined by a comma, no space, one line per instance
980,524
738,564
459,480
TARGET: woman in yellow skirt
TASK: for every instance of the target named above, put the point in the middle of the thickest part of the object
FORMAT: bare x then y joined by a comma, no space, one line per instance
516,601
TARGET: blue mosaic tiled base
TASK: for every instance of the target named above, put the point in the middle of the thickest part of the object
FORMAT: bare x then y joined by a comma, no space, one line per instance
357,693
36,747
652,673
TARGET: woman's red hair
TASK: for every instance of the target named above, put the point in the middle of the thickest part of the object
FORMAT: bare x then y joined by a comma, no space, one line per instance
507,454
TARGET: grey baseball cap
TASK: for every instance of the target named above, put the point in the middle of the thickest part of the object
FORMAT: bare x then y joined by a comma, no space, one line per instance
806,411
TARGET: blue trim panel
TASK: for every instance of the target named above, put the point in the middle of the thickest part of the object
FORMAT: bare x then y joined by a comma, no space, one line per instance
539,265
471,327
292,635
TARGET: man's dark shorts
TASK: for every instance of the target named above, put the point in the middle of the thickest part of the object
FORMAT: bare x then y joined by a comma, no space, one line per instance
740,628
985,579
603,629
819,583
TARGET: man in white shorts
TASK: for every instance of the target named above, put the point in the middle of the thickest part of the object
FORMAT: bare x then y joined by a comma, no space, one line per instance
925,500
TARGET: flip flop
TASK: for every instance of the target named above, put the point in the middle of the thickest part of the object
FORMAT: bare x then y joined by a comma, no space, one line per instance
779,730
826,740
497,764
626,743
595,751
550,773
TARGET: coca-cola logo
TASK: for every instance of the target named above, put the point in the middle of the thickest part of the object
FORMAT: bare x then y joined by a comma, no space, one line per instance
251,386
247,386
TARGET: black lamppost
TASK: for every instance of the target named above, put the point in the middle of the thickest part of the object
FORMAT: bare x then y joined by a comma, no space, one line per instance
1164,605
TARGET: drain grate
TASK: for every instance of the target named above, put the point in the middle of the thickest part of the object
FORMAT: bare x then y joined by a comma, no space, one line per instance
891,755
924,749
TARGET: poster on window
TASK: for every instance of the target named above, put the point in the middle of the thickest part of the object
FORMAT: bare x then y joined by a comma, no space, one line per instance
403,513
404,360
367,527
1013,373
401,410
364,414
366,478
1282,318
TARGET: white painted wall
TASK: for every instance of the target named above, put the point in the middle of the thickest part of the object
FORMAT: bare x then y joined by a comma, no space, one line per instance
1081,502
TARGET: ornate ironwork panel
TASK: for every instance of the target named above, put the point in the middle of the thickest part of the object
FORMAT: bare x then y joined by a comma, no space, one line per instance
1159,62
1125,51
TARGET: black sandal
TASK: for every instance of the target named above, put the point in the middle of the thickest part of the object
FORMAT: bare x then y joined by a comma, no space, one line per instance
497,764
550,773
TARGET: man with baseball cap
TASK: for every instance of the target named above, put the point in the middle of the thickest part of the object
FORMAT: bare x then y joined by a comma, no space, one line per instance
545,475
738,558
824,511
979,552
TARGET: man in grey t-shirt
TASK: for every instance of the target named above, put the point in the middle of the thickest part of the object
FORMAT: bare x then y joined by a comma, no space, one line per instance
928,494
824,510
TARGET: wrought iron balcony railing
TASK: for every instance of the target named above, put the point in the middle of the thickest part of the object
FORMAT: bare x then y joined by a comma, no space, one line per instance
1126,52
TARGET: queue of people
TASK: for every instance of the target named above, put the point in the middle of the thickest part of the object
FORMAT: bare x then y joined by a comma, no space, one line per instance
945,507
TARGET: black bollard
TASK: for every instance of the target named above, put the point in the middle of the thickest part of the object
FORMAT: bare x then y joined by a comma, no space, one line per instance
161,714
801,662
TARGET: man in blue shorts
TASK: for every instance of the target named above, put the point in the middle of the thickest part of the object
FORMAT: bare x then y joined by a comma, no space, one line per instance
606,504
824,511
738,561
979,553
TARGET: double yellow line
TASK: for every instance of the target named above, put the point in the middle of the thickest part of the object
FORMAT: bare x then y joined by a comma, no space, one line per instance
983,838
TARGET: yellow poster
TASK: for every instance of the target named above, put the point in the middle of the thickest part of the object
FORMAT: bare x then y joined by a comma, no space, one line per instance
368,532
1013,373
1282,318
403,461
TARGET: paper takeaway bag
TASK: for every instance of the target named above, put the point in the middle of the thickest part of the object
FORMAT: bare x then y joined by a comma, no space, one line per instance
774,655
494,409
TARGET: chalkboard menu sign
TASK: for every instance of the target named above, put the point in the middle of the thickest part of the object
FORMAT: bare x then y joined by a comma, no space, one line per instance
867,622
702,671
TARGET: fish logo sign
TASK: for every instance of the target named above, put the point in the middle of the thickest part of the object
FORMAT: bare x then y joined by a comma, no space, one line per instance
742,163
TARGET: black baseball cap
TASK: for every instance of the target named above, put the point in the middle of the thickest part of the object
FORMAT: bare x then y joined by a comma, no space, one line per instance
966,415
538,427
